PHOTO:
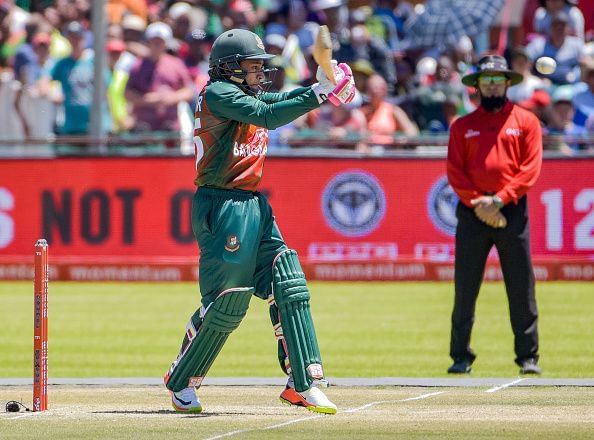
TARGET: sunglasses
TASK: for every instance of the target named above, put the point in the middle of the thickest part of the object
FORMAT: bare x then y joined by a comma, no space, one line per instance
491,79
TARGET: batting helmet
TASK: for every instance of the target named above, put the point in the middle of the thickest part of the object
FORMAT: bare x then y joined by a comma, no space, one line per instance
229,49
237,45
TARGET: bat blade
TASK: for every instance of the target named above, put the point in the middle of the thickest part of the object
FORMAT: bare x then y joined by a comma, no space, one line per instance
322,52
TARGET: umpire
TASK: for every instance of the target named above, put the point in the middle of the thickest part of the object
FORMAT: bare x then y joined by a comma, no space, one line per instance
494,158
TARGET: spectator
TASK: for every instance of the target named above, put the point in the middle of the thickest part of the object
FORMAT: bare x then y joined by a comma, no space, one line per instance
583,101
247,14
363,45
118,105
25,55
440,91
185,19
384,119
563,48
34,102
362,70
197,46
562,121
13,22
158,83
345,123
543,17
133,28
397,11
75,75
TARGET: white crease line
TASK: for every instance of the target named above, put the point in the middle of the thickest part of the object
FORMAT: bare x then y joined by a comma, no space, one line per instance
290,422
229,434
20,416
500,387
303,419
379,402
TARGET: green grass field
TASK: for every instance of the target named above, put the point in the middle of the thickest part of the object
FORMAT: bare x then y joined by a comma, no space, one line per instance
365,330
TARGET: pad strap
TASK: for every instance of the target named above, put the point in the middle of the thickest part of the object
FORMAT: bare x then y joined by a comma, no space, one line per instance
206,334
292,299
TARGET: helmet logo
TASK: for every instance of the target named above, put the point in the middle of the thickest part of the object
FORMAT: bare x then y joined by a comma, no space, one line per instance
259,42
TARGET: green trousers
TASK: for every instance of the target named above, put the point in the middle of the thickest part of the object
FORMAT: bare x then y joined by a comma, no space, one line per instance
241,251
238,239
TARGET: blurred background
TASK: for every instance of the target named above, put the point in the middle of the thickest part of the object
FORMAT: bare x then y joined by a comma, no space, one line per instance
96,147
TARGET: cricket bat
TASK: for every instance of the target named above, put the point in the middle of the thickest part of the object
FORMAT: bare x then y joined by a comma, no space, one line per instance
322,52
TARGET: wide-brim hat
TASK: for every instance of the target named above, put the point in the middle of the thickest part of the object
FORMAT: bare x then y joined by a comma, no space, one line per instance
492,64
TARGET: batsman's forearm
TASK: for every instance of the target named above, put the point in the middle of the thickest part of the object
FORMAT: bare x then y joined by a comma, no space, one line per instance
250,110
271,98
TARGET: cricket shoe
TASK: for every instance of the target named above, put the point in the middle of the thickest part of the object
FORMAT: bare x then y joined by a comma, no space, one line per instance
313,399
186,400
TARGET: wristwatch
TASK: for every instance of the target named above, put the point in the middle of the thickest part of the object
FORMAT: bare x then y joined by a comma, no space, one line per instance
498,202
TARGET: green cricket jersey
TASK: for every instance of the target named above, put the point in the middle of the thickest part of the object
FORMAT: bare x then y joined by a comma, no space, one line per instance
231,131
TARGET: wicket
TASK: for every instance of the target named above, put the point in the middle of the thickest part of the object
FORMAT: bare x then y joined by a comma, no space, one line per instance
40,327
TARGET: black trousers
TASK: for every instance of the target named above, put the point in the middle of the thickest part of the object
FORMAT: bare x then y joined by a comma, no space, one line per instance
474,240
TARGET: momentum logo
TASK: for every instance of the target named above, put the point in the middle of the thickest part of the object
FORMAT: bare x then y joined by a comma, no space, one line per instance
354,203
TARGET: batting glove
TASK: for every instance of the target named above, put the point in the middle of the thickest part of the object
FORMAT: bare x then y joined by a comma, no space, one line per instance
340,93
345,89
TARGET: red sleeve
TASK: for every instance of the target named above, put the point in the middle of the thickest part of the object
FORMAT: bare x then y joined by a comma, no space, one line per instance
457,177
530,165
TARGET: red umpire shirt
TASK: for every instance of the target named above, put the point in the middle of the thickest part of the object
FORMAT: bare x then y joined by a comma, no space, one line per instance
494,153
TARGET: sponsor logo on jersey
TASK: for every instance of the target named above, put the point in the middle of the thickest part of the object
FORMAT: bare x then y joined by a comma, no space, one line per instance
256,145
232,243
353,203
471,133
441,204
513,131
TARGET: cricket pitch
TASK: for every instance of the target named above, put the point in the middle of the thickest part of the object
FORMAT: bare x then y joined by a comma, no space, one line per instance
255,412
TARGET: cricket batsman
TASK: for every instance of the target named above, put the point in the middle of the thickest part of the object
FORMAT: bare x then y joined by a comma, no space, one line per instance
242,252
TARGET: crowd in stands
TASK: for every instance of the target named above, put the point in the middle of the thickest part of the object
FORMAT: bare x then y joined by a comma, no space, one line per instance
157,62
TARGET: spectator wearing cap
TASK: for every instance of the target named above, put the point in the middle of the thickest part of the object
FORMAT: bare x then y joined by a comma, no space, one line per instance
362,70
133,28
543,17
275,43
563,48
185,18
194,52
561,122
75,75
158,83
